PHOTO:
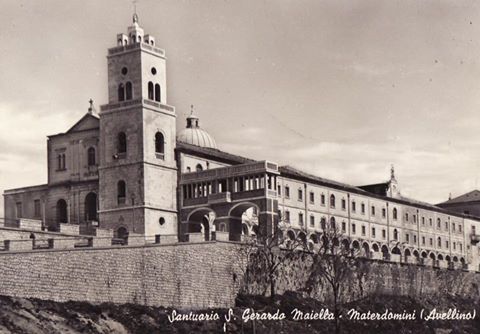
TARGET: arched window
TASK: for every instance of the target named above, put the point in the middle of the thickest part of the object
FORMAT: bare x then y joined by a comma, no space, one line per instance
323,223
128,91
122,143
121,192
91,156
395,234
332,201
395,213
157,93
121,92
332,223
150,90
159,143
199,168
439,242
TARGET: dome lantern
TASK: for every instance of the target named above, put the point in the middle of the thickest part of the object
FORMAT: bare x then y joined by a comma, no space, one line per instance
194,135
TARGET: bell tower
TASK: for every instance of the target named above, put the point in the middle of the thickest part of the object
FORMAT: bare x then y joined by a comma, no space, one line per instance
137,173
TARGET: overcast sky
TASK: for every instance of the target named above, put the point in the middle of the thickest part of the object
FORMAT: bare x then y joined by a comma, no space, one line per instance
341,89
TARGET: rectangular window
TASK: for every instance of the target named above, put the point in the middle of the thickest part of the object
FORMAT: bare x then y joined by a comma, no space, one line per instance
312,197
373,210
414,238
373,232
287,192
407,237
406,217
460,246
423,240
287,216
453,227
414,218
344,204
322,199
460,228
384,212
363,208
279,190
446,244
430,221
354,206
353,228
300,219
431,242
18,207
423,221
364,230
446,226
312,221
300,194
37,210
344,227
384,234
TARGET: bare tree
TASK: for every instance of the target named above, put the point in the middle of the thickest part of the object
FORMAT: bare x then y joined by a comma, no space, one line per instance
334,261
266,254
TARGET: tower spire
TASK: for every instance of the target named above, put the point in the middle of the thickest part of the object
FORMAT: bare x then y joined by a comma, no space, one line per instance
135,15
392,172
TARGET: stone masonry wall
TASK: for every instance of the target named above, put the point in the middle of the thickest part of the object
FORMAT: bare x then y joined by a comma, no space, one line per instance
198,275
189,276
369,277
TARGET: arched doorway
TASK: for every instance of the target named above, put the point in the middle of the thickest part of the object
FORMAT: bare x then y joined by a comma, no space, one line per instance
122,233
366,249
302,238
199,221
62,216
91,207
385,252
243,214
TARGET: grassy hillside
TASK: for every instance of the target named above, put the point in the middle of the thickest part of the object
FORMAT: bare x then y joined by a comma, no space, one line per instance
38,316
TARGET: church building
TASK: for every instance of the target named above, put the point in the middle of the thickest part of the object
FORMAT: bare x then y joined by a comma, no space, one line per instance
126,169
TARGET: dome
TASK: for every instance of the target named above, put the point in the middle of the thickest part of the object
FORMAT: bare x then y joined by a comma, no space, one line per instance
194,135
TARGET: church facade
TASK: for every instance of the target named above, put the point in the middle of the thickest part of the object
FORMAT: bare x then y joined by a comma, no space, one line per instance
127,169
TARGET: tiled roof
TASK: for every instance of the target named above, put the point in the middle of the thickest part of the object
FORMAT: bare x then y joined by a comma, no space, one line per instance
472,196
212,153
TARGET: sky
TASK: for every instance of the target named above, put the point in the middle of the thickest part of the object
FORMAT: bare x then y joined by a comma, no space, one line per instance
339,89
